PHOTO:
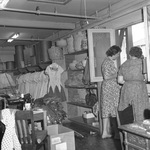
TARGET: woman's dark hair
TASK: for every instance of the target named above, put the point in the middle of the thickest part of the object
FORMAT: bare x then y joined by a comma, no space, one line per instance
135,51
113,50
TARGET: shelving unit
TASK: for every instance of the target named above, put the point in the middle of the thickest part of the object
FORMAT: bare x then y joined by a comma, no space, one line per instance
79,120
78,52
80,104
73,91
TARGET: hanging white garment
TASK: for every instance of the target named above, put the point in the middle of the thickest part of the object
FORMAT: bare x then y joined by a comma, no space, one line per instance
44,84
10,140
37,84
21,84
54,72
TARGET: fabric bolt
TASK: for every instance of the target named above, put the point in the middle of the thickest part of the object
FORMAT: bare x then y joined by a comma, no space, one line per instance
10,140
78,37
110,89
70,44
134,88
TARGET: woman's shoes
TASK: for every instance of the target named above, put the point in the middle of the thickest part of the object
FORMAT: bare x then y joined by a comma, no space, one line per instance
106,136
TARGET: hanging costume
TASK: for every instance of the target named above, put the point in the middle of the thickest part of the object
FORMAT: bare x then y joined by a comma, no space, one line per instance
55,87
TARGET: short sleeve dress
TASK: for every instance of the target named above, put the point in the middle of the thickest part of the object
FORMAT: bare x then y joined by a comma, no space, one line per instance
110,90
134,88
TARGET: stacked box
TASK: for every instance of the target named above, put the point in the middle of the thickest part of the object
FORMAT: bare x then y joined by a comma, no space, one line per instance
60,138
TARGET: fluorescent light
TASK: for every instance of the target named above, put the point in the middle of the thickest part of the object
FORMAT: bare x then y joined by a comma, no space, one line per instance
15,36
3,3
10,40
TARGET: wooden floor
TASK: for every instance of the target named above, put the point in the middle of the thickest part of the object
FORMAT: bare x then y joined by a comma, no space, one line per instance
92,141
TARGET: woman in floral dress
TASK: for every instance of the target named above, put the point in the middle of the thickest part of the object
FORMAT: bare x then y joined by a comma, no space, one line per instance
110,89
134,87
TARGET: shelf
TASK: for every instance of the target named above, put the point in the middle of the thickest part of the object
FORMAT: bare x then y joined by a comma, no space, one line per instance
7,71
81,87
80,104
75,70
27,69
33,68
22,70
78,52
79,121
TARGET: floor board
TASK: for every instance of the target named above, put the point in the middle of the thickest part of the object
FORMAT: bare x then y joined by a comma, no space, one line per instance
92,141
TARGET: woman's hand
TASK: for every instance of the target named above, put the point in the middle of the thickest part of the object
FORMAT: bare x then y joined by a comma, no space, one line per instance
120,80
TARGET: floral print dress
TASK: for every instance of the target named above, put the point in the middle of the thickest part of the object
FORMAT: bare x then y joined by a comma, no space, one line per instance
134,88
110,90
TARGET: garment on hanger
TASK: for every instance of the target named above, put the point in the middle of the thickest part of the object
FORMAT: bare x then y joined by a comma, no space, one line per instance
55,87
44,84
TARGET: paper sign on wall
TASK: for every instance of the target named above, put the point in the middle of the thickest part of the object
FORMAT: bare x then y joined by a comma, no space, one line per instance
61,146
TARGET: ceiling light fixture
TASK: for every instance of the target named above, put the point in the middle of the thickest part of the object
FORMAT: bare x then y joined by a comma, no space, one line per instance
3,3
14,36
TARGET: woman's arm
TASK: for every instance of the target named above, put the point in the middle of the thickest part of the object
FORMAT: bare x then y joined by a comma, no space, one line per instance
120,79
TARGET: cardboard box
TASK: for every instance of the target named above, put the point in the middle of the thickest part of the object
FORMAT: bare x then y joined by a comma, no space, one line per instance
60,138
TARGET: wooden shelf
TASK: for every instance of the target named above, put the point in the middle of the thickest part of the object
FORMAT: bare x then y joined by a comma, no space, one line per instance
81,87
33,68
80,104
78,52
75,70
79,121
22,70
27,69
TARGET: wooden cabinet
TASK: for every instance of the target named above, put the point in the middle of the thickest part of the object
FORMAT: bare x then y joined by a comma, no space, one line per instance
76,104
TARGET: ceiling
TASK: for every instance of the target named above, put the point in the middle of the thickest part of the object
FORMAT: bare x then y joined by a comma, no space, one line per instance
36,21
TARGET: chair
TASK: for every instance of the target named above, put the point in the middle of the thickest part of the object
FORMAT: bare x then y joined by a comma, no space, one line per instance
30,139
125,117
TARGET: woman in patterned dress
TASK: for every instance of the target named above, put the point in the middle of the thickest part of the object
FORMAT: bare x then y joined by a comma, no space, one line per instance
134,87
110,89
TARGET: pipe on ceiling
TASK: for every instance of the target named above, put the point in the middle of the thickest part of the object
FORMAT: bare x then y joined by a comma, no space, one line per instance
38,12
27,39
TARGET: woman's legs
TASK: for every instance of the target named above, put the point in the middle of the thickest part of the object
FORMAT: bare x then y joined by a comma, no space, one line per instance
106,128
